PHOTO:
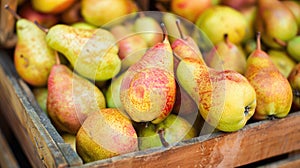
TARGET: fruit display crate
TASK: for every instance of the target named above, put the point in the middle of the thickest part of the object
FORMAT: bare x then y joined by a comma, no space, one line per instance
44,147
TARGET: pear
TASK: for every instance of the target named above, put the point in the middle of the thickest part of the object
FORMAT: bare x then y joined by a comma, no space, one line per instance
227,56
169,132
33,58
112,95
294,80
184,46
225,99
71,98
149,29
102,12
274,93
51,6
41,94
282,61
250,16
293,48
92,52
294,7
191,9
131,46
104,134
83,25
148,88
232,21
276,23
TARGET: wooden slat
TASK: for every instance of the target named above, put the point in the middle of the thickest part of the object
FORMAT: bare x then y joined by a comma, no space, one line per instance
37,143
7,158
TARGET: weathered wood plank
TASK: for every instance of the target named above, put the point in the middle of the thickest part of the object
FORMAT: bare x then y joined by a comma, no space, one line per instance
7,158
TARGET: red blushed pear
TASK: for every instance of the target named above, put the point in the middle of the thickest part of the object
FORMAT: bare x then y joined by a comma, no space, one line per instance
71,98
225,99
274,93
148,88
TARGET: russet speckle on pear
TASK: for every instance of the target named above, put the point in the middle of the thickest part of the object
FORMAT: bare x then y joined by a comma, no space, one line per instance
104,134
148,88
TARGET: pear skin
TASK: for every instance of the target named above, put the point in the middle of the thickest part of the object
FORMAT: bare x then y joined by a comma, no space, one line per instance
51,6
276,23
104,134
282,61
71,98
173,129
294,80
41,95
33,58
227,56
92,52
274,93
148,88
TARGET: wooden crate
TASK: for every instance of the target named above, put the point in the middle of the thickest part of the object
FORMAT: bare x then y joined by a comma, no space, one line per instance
44,147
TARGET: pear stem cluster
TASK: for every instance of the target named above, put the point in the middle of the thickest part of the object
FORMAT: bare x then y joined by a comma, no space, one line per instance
12,12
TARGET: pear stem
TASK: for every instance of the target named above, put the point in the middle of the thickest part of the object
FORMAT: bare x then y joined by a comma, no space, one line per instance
18,17
179,29
226,38
164,30
41,27
162,138
160,7
258,45
177,57
57,58
280,42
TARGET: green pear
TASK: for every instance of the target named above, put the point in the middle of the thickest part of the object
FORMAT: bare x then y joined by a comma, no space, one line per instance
274,93
149,29
104,134
169,132
294,80
276,23
71,98
294,7
148,88
41,95
112,95
83,25
92,52
101,12
227,56
282,61
232,21
293,48
33,58
250,16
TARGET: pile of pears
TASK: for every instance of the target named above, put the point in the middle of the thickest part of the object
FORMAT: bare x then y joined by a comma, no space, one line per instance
117,82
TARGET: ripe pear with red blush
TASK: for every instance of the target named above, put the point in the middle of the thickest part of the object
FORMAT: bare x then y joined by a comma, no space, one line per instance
71,98
274,93
131,45
148,88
